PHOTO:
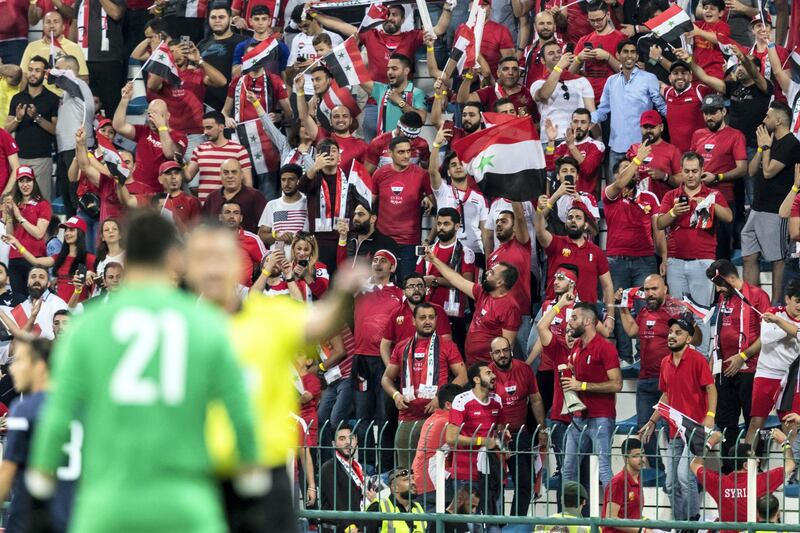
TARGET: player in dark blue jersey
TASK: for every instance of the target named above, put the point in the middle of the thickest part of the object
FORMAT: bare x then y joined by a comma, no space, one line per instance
31,373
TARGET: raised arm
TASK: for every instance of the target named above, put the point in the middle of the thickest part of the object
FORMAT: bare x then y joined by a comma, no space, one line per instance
453,278
333,23
543,208
520,224
119,122
715,83
113,9
781,75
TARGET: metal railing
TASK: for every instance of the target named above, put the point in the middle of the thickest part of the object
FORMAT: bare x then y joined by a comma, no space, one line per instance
523,485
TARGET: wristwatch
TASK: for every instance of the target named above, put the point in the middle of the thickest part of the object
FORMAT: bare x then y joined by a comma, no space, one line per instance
765,147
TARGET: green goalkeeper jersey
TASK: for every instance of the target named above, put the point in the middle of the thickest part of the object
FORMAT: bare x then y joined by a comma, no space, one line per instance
139,372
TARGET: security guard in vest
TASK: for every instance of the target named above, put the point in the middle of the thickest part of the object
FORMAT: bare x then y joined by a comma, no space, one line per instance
401,488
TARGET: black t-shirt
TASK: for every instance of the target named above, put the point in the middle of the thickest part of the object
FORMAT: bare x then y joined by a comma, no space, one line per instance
643,43
219,54
748,107
114,48
32,140
769,194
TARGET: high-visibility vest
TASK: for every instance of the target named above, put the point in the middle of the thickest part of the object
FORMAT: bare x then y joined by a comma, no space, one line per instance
400,526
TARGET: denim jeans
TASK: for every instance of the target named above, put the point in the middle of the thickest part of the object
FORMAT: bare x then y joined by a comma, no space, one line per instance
647,396
626,272
335,407
370,123
689,277
681,483
406,263
581,435
370,405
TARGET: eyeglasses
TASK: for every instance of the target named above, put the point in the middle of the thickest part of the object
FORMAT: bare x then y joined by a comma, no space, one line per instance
405,472
566,90
415,286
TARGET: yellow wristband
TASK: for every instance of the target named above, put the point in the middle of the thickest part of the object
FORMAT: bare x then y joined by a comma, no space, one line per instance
90,155
437,97
636,161
557,69
583,386
469,75
549,149
265,272
257,103
712,414
557,309
549,205
301,93
342,243
578,60
429,48
21,249
759,149
322,366
274,235
795,189
479,441
444,92
437,145
672,213
78,290
313,14
163,128
743,356
395,394
721,176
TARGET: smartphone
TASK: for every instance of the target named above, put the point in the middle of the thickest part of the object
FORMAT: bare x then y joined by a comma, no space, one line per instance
588,46
448,125
570,48
185,39
419,251
80,271
325,150
683,199
302,262
570,179
280,246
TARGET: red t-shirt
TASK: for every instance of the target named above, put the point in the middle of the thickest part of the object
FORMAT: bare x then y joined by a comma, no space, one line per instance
7,148
379,155
630,224
684,241
32,211
741,326
14,22
149,156
185,103
496,37
256,86
625,491
558,327
521,99
110,205
597,72
593,153
64,286
350,148
591,364
653,331
253,251
381,45
795,207
399,202
401,323
491,317
708,55
683,114
185,210
308,411
475,418
730,491
441,295
514,386
720,150
685,384
664,157
589,258
371,317
578,25
518,255
448,355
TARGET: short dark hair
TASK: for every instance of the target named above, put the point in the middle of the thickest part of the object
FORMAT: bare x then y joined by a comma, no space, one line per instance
157,25
413,275
501,101
261,9
412,119
570,267
597,6
5,267
214,115
325,144
473,372
65,312
784,110
476,105
229,202
423,305
719,4
320,68
450,212
39,59
148,238
40,349
766,506
741,452
400,139
567,160
291,168
793,288
583,111
447,393
723,266
587,307
549,43
510,274
321,38
404,59
692,155
626,42
506,59
630,444
110,265
219,5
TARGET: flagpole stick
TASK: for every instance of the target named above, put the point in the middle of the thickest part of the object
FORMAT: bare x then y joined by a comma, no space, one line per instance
141,69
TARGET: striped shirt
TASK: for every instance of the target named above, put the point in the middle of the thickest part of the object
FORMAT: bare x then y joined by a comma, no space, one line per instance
209,158
282,216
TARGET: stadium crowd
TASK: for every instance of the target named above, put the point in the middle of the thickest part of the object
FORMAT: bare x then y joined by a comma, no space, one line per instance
548,194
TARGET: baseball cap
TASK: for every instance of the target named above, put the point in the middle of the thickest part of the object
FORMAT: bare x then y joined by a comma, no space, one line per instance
166,166
651,118
25,171
103,122
761,17
684,323
712,102
74,222
386,254
680,64
574,491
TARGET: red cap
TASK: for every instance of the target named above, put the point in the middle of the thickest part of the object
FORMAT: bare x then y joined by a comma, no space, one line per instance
761,17
651,118
103,122
386,254
25,171
74,222
166,166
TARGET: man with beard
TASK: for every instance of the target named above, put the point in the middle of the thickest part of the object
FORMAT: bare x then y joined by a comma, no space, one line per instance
684,98
469,203
496,311
421,364
155,141
516,386
533,64
596,379
251,247
471,118
737,344
451,251
764,234
410,125
595,51
396,97
342,486
217,50
507,86
365,239
32,119
185,101
36,312
285,216
208,156
565,197
687,385
401,501
724,153
660,169
586,151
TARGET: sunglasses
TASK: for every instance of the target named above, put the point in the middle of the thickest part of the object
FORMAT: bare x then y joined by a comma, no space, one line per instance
566,90
405,472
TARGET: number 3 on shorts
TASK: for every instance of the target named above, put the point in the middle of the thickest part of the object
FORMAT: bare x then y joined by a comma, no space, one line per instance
149,334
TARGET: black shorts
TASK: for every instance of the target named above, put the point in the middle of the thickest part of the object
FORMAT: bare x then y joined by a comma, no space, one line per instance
271,512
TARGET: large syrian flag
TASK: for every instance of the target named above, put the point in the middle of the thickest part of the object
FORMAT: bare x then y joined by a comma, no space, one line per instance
670,24
161,63
259,55
692,432
496,119
346,65
506,162
359,187
254,138
112,160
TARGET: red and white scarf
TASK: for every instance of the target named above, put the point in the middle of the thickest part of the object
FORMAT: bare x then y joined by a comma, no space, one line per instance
240,95
83,28
408,96
430,369
325,220
353,469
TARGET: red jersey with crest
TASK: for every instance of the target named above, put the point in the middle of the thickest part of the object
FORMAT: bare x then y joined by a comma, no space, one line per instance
475,419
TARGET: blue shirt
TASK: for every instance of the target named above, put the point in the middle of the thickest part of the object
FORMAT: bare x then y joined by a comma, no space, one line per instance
626,100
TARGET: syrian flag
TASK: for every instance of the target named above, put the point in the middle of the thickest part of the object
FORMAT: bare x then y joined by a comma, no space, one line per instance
55,46
161,63
359,186
334,97
670,24
374,16
630,295
65,80
346,65
731,61
113,162
692,432
790,385
258,56
506,162
702,312
254,138
463,52
496,119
